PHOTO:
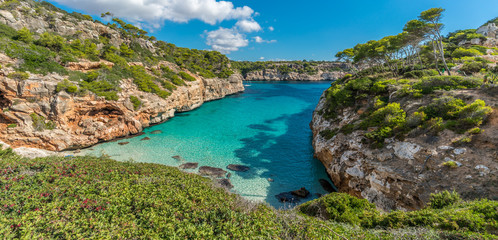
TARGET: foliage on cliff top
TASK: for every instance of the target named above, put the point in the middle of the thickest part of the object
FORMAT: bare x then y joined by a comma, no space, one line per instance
88,197
284,67
445,211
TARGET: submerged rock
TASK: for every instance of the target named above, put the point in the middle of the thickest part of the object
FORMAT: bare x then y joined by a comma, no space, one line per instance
156,132
225,183
270,180
302,193
123,143
238,168
287,197
145,139
177,157
212,171
326,185
189,165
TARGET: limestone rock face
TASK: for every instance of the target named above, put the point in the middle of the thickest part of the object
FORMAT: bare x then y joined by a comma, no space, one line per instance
82,121
403,174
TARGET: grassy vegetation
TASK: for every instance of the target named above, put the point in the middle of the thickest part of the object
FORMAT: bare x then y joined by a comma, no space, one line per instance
88,197
446,211
40,123
136,102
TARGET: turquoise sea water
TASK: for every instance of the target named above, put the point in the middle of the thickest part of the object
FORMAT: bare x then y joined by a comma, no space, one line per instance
265,128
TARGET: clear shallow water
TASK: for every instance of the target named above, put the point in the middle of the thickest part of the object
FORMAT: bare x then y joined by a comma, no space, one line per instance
265,128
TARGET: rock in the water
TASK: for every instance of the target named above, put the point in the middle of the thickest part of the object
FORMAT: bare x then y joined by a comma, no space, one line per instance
238,168
156,132
302,193
189,165
270,180
123,143
212,171
77,151
177,157
145,139
287,197
229,175
326,185
225,183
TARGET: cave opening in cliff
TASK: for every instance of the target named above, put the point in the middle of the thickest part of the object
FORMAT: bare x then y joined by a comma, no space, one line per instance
4,102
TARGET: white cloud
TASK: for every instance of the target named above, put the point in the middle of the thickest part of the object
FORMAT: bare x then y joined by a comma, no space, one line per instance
248,25
271,28
155,12
262,58
258,39
226,40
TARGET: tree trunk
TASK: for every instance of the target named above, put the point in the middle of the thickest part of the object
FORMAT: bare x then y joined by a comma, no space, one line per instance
441,51
435,57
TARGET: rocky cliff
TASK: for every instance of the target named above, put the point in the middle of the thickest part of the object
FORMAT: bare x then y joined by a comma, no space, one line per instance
35,113
406,170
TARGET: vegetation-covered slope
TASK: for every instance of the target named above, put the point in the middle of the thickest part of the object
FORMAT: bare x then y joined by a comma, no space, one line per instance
417,115
87,197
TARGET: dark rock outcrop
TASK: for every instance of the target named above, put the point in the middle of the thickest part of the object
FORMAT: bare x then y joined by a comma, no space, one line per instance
189,165
212,171
238,168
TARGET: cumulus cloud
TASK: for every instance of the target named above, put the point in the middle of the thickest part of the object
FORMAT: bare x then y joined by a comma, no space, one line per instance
157,11
248,25
226,40
271,29
259,39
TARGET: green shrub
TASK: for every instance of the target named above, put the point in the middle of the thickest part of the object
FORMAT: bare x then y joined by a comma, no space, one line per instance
186,76
40,123
51,41
136,102
67,86
126,51
462,52
342,207
18,75
420,73
460,116
473,67
443,199
101,88
145,82
12,125
168,85
24,35
6,31
450,164
430,84
177,80
328,133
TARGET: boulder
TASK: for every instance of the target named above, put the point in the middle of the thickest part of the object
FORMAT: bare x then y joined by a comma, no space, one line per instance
302,193
145,139
189,165
326,185
238,168
123,143
156,132
212,171
225,183
287,197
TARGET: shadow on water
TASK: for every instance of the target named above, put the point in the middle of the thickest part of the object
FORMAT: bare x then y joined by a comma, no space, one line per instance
288,158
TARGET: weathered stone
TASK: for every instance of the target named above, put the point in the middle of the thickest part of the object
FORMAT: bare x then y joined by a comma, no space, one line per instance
156,132
123,143
287,197
145,139
212,171
270,180
302,193
238,168
179,158
326,185
189,165
225,183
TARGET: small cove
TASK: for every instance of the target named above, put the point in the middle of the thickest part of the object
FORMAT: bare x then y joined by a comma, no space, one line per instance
265,128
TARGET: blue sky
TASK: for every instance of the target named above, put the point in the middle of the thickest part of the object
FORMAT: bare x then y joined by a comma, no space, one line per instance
312,30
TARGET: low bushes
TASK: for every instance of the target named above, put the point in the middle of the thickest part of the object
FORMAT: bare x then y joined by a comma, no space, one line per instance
445,211
430,84
136,102
40,123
